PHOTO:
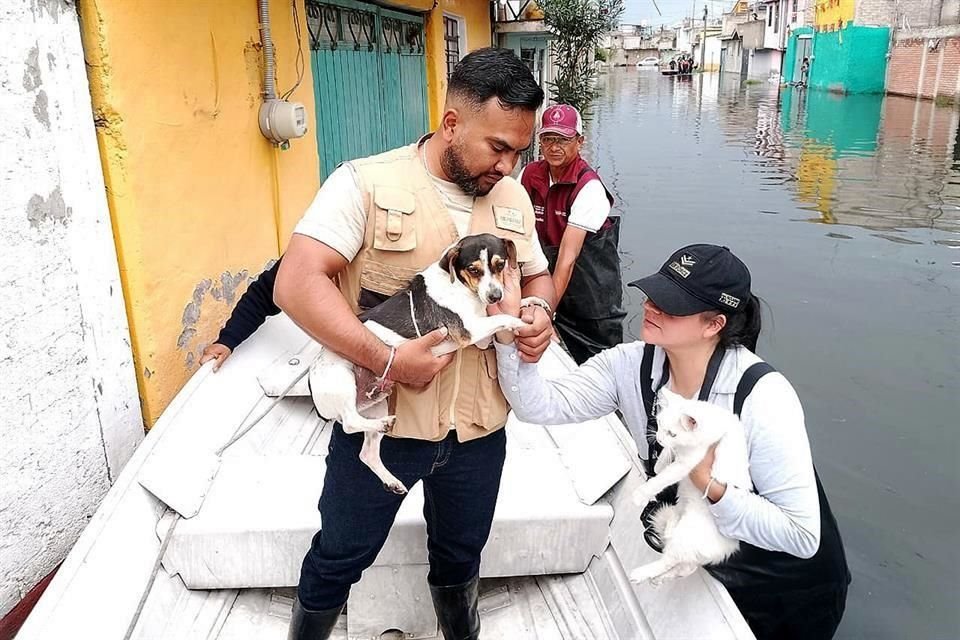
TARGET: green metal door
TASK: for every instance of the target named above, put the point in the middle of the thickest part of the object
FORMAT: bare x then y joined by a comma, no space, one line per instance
369,72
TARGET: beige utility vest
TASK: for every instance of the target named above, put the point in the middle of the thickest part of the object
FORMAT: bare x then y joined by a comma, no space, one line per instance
408,228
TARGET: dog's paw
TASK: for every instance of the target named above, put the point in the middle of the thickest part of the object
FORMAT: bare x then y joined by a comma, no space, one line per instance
387,424
642,497
513,323
396,487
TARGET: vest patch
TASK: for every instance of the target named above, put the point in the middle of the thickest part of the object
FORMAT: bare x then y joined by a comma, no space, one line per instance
508,219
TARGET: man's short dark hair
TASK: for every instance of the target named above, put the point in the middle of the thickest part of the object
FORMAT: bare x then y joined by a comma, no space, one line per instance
495,73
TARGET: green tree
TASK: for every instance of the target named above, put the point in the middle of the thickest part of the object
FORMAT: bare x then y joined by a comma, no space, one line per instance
577,27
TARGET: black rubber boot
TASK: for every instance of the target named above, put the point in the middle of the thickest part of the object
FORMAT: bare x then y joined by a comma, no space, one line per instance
312,625
457,610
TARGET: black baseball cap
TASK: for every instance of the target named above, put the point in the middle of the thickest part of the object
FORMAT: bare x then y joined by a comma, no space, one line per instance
699,277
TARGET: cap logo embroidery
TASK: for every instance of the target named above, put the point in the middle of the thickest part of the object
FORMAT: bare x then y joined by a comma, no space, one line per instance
729,300
683,271
557,115
687,261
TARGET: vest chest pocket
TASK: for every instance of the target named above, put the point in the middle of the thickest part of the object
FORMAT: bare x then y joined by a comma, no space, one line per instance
395,228
491,407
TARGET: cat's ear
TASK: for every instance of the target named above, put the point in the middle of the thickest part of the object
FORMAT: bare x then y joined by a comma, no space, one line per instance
689,422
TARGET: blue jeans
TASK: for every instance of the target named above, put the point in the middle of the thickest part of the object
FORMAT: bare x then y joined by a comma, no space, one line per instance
460,486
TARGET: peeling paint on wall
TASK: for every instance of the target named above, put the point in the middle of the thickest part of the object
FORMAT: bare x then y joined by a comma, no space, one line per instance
209,306
51,209
254,66
40,109
31,75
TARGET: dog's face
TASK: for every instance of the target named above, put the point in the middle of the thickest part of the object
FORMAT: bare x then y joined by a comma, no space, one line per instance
477,262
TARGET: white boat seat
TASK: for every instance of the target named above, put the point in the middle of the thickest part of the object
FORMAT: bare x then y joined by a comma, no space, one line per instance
261,512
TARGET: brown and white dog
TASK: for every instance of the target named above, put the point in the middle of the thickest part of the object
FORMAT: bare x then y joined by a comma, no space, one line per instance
452,293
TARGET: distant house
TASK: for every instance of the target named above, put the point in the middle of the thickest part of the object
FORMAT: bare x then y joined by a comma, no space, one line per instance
709,39
756,37
632,43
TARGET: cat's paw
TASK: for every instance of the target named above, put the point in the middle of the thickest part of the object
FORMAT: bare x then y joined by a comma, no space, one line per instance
641,575
642,496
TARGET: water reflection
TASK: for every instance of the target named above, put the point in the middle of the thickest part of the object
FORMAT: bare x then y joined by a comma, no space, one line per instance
882,163
864,314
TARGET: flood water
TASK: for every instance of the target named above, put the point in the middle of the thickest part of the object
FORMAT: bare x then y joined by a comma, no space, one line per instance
847,211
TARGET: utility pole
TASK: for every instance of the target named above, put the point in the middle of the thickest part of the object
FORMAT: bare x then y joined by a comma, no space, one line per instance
693,18
703,40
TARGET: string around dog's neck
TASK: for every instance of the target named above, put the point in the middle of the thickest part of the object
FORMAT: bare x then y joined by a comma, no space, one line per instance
413,315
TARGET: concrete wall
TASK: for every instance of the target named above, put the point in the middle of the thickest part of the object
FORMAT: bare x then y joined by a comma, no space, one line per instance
200,201
926,63
764,63
910,14
950,12
711,57
732,56
69,412
476,15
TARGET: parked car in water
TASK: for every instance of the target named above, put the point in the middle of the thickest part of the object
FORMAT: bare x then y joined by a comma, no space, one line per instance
651,61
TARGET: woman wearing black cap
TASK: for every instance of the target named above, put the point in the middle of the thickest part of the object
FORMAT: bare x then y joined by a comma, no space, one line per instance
700,328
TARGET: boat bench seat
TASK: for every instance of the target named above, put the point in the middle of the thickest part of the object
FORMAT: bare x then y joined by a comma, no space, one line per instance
260,515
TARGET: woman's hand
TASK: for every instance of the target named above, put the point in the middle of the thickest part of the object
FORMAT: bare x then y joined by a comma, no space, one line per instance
215,351
702,474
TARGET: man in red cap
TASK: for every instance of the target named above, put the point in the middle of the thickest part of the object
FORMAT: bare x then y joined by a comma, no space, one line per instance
579,235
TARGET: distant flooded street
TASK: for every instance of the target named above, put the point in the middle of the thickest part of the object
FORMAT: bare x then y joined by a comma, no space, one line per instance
847,210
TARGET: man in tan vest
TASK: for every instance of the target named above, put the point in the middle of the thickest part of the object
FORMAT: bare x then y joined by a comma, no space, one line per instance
375,223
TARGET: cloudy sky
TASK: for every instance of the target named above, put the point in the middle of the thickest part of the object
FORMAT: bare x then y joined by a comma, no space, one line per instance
638,11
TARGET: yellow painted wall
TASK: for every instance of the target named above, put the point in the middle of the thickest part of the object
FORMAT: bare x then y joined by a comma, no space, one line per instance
199,200
833,14
476,15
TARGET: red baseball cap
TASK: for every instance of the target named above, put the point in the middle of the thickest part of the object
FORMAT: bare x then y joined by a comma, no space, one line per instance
563,120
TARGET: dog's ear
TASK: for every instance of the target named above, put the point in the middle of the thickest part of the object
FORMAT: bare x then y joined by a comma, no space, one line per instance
511,253
449,261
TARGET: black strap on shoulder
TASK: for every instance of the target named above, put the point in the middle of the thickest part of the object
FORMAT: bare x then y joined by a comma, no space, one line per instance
749,379
646,370
649,394
649,397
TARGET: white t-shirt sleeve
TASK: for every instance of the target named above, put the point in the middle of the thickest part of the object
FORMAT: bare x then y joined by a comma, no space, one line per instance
591,208
538,261
336,216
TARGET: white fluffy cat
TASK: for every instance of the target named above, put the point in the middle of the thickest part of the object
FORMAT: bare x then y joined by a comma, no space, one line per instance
688,532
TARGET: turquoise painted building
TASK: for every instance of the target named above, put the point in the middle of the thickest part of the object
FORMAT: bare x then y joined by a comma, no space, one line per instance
848,60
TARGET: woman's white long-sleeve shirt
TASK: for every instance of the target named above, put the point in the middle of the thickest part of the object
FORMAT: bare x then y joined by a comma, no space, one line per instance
783,514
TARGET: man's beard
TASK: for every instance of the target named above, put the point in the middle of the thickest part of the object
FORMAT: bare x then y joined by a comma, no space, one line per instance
453,164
